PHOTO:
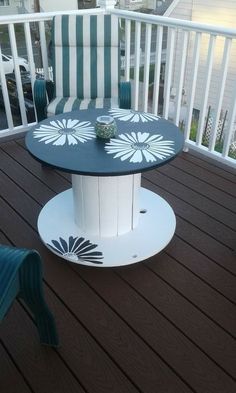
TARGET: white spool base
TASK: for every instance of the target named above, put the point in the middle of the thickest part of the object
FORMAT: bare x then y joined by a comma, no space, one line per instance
155,229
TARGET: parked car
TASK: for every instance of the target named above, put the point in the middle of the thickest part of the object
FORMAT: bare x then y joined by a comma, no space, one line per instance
13,95
8,64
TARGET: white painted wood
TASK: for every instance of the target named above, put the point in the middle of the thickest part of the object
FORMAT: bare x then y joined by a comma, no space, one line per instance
176,23
108,206
231,126
5,96
17,74
91,198
30,54
141,17
86,203
77,188
125,208
16,130
205,92
168,71
127,49
43,45
155,230
214,155
136,208
181,77
157,69
147,65
137,64
220,92
44,16
195,64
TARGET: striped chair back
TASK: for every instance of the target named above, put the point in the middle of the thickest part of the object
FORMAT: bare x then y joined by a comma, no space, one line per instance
86,56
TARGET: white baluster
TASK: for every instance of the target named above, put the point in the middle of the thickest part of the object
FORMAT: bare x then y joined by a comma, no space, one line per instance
206,84
147,65
17,74
5,95
195,64
137,64
43,45
156,85
127,49
29,51
168,71
220,92
231,124
181,77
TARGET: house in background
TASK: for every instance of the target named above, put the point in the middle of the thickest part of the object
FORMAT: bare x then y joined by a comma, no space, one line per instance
10,7
207,12
157,7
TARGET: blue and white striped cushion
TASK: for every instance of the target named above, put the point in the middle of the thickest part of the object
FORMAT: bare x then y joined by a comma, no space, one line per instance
86,57
68,104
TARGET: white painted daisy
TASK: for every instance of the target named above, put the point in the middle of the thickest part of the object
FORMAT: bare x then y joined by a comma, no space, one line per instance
137,147
130,115
60,132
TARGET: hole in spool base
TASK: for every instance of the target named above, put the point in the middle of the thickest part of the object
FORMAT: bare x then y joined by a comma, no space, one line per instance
143,211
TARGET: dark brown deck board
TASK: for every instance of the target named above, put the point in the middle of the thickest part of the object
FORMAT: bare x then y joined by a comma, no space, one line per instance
36,166
209,177
202,237
191,213
41,366
89,361
211,165
24,178
203,267
164,325
215,306
144,319
43,173
198,185
147,371
186,188
11,380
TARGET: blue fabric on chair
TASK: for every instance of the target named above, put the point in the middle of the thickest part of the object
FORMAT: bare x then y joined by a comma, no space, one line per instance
86,66
21,275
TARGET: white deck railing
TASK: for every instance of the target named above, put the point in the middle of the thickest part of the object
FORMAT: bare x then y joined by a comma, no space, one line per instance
200,72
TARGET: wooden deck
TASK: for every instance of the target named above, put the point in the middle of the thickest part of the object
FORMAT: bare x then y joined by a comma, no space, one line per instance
165,325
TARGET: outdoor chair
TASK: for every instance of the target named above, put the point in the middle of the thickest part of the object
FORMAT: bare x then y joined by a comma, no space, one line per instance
85,52
21,276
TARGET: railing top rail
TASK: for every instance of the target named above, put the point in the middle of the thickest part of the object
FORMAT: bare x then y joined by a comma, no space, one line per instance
172,22
146,18
21,18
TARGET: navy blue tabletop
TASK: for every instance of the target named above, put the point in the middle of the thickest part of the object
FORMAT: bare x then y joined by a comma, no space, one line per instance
68,142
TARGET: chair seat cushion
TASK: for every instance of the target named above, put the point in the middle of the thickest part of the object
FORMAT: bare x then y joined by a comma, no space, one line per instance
68,104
